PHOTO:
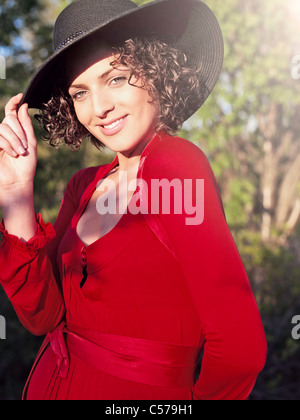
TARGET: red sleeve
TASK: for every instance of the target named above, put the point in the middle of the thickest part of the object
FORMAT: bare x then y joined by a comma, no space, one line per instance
235,343
27,278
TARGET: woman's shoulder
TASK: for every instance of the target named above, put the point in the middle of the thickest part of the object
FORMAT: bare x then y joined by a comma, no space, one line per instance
175,145
175,158
175,155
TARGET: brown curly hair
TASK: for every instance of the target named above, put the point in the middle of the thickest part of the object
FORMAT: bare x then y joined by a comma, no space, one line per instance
166,75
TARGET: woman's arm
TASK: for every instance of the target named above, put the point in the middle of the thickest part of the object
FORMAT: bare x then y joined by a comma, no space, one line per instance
27,278
18,159
26,272
235,344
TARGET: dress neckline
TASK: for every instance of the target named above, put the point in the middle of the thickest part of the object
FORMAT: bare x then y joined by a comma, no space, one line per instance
92,187
87,200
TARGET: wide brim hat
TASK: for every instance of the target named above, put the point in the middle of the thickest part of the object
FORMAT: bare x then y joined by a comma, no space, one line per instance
189,25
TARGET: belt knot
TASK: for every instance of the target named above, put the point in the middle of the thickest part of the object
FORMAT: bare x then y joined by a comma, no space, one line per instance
59,348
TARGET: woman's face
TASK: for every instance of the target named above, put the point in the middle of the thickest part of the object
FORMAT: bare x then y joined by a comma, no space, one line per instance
118,114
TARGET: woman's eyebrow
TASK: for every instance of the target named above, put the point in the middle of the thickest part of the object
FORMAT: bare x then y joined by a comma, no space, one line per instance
111,70
102,76
77,87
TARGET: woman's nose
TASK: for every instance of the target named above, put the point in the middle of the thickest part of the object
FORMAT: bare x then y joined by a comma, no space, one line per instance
102,104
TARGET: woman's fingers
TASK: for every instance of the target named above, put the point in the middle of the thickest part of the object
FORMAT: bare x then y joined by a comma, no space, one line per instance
12,134
26,123
17,128
16,131
9,135
13,122
6,146
11,107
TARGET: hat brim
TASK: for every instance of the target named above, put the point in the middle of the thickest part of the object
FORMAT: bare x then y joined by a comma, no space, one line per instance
190,25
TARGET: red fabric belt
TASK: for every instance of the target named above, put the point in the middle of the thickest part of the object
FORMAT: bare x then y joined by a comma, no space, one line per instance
143,361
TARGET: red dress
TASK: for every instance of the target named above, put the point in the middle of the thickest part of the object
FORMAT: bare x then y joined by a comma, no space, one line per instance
152,277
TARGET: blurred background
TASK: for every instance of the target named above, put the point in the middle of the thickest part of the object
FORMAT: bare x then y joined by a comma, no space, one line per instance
250,131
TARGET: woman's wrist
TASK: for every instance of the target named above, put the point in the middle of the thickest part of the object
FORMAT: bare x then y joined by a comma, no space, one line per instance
19,213
14,189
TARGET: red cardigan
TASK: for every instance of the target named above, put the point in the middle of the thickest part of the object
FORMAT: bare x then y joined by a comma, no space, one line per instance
196,264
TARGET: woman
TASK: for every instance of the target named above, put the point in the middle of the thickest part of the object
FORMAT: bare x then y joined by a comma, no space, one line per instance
129,297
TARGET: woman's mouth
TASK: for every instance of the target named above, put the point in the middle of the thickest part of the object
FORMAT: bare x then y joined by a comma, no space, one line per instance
113,127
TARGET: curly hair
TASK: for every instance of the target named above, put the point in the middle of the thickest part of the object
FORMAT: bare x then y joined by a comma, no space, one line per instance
164,71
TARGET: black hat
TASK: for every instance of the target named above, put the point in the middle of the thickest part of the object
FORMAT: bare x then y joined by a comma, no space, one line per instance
190,25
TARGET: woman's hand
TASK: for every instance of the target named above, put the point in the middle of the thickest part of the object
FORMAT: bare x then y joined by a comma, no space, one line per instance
18,150
18,160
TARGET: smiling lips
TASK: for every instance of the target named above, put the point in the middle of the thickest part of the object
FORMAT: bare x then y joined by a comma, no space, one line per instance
114,126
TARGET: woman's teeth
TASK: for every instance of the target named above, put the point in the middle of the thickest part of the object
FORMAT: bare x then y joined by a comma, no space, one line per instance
114,124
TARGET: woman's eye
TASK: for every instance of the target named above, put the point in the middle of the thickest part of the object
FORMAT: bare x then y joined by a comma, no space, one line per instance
78,95
118,80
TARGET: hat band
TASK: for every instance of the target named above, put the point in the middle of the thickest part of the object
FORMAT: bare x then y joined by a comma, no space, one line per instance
70,38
